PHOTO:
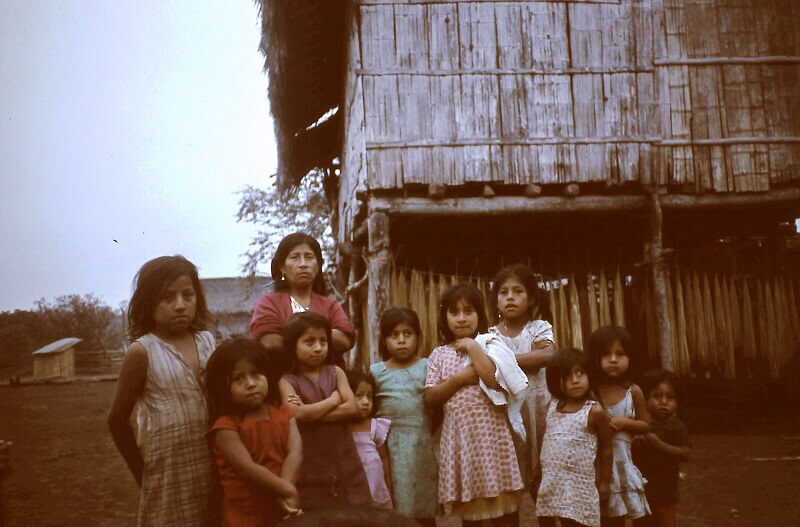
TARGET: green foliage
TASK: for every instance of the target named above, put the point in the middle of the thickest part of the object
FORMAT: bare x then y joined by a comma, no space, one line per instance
276,214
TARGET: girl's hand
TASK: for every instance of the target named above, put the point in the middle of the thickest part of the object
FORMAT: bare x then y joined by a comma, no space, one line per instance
294,400
651,439
467,375
336,396
465,345
616,424
603,489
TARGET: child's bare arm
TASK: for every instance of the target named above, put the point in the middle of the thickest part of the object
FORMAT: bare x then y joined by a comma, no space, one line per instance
383,451
641,423
681,453
439,394
307,412
294,456
347,408
540,354
598,422
235,453
484,366
130,385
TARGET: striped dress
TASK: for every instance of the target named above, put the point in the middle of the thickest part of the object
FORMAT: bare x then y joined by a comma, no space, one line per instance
172,421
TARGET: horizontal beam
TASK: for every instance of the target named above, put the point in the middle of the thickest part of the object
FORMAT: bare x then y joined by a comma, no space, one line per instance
426,2
652,140
708,61
502,205
589,70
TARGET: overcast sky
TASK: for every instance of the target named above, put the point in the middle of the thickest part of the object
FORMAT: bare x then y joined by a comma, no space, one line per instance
126,130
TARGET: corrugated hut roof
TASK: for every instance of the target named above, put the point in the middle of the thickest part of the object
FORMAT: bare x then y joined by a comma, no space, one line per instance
235,294
57,346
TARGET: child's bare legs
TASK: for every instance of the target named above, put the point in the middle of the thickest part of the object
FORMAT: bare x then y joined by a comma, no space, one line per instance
616,521
426,522
549,521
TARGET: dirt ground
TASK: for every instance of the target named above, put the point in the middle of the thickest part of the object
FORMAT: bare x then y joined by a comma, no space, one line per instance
67,472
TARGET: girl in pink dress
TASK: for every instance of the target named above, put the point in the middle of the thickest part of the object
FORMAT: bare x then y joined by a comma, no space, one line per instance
479,476
369,435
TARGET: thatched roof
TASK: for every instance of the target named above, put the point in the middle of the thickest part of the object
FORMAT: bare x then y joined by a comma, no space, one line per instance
234,295
304,43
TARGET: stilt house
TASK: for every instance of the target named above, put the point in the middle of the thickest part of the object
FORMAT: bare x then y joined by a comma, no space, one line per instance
642,155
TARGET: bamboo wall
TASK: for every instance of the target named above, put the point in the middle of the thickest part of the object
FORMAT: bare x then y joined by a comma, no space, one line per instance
701,94
723,325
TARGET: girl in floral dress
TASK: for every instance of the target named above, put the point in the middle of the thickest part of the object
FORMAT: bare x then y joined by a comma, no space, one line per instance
479,476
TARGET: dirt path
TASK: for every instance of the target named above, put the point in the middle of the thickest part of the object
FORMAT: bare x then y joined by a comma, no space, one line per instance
66,471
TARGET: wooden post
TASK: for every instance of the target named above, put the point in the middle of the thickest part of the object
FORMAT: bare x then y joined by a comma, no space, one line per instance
656,261
379,267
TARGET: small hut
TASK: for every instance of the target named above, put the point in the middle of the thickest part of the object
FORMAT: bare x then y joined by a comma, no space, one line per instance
57,359
231,302
643,155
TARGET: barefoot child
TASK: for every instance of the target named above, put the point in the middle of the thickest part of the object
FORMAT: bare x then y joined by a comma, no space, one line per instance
369,435
255,442
623,401
522,325
161,376
323,403
660,452
479,475
576,434
400,382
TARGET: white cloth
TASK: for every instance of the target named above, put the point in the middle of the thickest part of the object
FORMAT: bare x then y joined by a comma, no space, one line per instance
297,307
512,380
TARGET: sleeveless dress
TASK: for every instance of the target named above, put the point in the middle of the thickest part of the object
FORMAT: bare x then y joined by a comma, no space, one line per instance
245,504
399,398
331,473
367,444
172,421
478,469
568,488
534,411
627,495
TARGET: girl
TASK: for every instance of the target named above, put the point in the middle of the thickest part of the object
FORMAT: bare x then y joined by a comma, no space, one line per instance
319,395
625,404
479,476
255,443
577,433
400,382
369,435
161,376
522,324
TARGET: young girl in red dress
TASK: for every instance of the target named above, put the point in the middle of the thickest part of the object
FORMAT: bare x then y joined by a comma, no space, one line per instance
255,442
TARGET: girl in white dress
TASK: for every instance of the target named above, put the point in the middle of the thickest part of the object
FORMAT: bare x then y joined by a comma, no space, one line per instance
522,313
576,434
624,402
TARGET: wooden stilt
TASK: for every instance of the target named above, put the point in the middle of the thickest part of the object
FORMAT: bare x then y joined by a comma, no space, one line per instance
379,267
659,280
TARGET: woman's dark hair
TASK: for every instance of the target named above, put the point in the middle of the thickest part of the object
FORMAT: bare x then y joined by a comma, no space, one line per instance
560,366
149,285
284,248
537,298
393,316
294,328
356,377
652,378
470,294
600,342
219,369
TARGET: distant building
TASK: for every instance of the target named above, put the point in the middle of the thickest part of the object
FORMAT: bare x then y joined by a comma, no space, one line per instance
231,302
57,359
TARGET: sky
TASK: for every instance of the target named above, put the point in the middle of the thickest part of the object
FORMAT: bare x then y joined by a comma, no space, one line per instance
127,129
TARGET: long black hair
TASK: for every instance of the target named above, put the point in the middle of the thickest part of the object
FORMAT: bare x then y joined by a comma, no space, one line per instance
294,328
470,294
149,285
560,366
219,369
600,342
393,316
537,298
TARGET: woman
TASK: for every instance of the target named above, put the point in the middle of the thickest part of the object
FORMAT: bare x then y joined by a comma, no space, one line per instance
299,286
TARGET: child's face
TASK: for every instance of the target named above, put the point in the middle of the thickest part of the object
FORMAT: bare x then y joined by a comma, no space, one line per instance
176,309
363,395
662,402
614,362
312,347
402,342
301,265
462,319
512,299
575,383
248,385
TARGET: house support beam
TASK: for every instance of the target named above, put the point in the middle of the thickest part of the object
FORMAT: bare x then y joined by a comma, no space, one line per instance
379,269
499,205
655,258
